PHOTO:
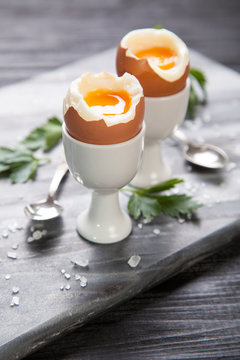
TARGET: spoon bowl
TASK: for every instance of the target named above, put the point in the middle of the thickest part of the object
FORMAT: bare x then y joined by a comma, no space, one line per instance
43,210
205,155
48,208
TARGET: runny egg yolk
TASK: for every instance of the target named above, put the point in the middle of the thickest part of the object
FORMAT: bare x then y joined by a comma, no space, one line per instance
163,57
109,102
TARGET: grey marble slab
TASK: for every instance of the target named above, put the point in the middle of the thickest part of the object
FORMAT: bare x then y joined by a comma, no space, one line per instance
45,312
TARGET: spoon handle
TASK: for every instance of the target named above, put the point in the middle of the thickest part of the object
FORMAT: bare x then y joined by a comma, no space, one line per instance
181,136
61,170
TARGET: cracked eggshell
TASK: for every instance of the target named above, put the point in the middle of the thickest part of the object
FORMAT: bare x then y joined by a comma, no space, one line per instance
155,81
87,125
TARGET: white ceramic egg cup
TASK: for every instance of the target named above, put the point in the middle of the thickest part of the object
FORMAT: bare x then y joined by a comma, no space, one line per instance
162,115
105,169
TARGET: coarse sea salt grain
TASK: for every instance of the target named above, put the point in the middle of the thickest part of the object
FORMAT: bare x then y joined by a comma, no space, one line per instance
147,221
68,287
63,271
83,281
61,287
15,290
15,246
5,234
12,255
134,260
181,220
80,261
37,235
156,231
15,300
140,226
67,276
7,276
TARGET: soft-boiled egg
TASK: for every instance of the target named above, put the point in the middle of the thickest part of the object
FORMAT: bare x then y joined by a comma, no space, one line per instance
157,57
103,108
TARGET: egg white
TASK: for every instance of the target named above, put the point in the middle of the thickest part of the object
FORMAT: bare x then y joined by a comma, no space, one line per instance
90,82
142,39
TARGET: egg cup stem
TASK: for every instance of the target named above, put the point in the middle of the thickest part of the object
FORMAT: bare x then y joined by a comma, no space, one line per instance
104,222
153,169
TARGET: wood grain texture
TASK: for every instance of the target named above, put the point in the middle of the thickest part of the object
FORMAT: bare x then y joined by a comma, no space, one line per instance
196,315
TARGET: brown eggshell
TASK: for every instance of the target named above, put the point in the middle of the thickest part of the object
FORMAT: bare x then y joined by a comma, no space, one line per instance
97,132
153,85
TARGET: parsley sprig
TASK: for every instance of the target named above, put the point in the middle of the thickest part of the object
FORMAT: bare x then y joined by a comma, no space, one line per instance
150,202
198,93
20,163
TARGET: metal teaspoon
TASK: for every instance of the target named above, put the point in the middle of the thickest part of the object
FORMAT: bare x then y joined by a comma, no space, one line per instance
204,155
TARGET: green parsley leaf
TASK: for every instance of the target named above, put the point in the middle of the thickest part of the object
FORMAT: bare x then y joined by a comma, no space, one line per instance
19,163
197,96
23,172
147,203
44,137
177,205
10,156
167,185
4,168
158,26
140,205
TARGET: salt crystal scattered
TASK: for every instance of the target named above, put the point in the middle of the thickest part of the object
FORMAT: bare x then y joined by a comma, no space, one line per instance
189,216
68,287
15,246
63,271
156,231
11,229
5,234
19,227
134,260
37,235
83,281
77,277
67,276
80,261
61,287
12,304
181,220
140,226
30,239
15,300
147,221
8,276
12,255
15,290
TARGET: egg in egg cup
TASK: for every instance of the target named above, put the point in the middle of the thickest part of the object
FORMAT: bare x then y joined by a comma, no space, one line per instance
160,61
103,136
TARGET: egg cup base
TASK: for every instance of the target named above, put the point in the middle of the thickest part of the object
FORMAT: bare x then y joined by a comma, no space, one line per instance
153,169
104,222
